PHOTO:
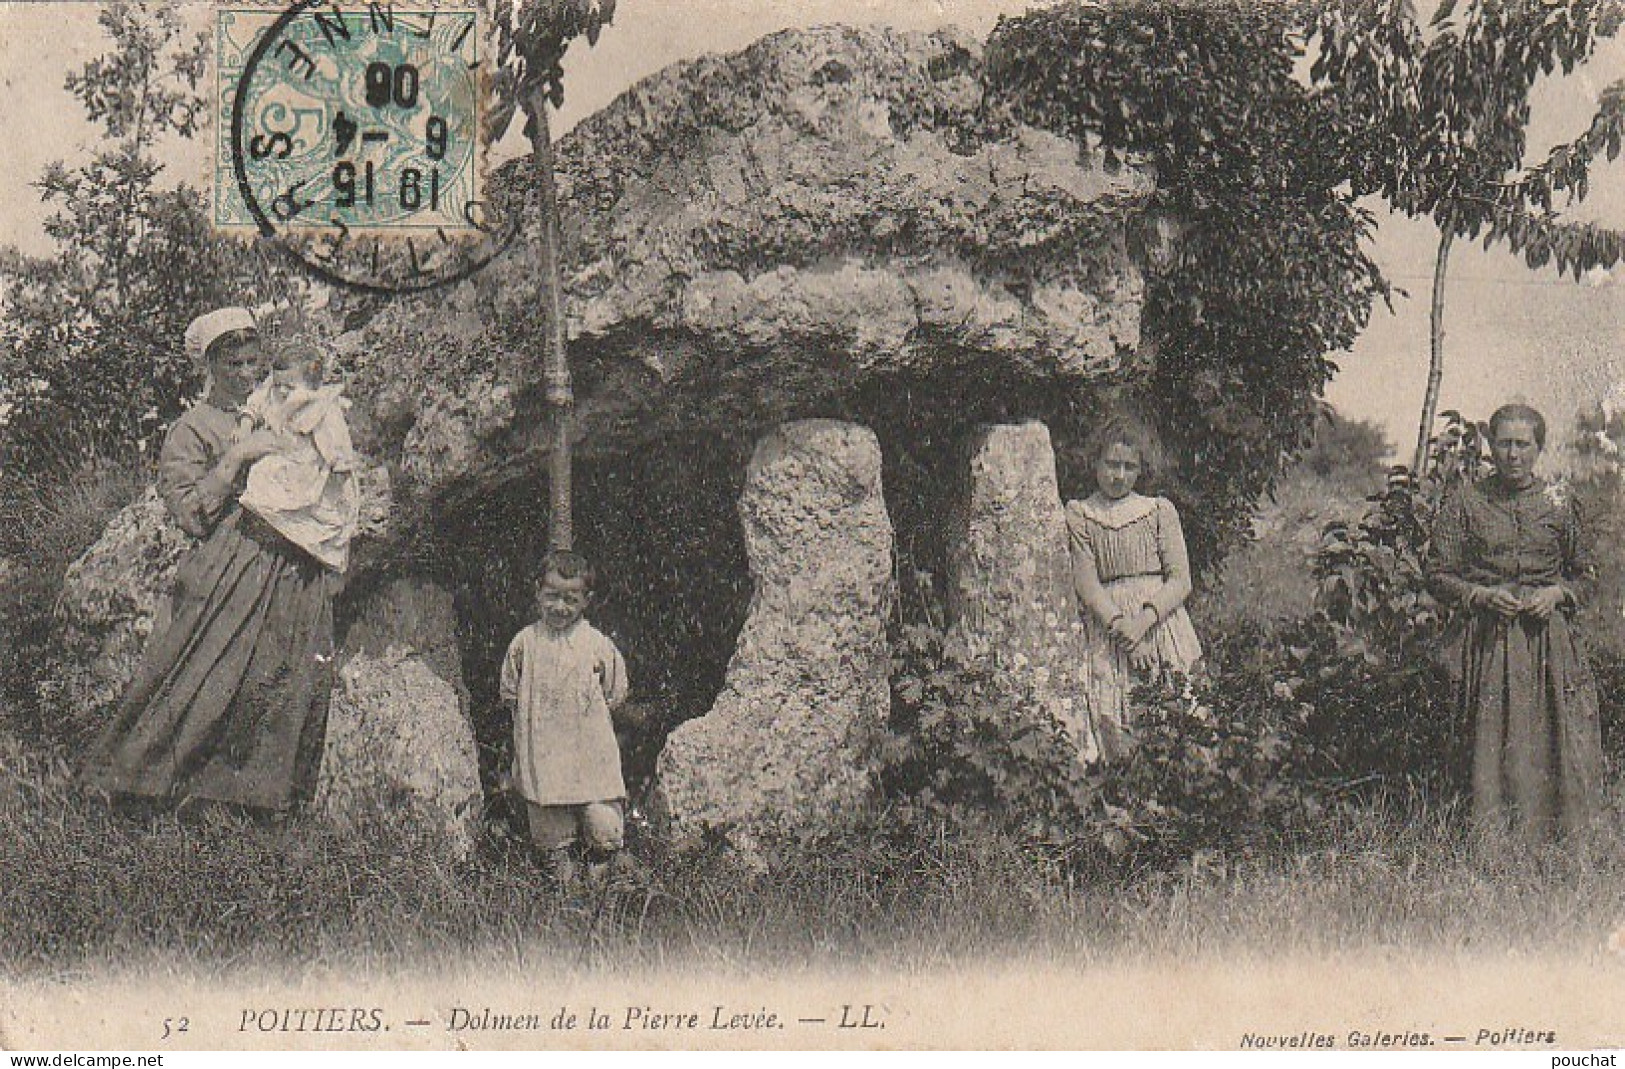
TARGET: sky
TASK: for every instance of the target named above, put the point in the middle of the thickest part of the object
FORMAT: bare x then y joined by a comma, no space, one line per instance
1511,333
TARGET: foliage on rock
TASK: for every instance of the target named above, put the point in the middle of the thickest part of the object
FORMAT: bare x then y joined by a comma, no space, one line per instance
1258,270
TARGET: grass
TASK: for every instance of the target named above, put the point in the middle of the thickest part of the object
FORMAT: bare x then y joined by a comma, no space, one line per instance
89,890
1271,578
47,520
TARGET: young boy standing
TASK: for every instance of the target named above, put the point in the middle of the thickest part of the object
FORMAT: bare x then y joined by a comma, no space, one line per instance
562,678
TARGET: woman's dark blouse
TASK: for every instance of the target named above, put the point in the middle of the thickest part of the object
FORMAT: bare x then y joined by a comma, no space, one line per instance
1492,534
192,490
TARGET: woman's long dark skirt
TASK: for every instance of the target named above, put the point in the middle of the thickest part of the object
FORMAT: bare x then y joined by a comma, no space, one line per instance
1527,690
230,703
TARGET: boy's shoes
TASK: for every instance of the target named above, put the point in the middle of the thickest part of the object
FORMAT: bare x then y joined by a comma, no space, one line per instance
560,866
619,870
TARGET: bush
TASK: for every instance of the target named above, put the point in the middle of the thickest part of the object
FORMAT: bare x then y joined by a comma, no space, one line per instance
1216,768
970,747
1332,709
1280,729
1610,672
1227,763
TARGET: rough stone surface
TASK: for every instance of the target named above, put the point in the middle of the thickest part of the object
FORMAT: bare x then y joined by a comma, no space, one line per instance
112,598
781,750
1011,597
400,748
747,237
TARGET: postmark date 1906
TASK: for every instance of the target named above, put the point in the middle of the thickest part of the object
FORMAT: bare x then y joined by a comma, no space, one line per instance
354,137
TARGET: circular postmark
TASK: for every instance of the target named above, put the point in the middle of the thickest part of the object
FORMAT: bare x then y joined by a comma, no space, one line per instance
356,142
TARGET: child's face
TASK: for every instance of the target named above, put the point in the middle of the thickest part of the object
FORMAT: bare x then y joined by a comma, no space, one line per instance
294,369
561,600
1117,470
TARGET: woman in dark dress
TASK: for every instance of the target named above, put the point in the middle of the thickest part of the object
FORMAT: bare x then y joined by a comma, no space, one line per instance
1510,555
230,703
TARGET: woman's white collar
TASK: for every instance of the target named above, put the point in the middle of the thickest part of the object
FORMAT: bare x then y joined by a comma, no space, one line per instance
1125,510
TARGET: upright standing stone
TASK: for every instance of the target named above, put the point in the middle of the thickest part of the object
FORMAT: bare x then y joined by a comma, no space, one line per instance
400,747
1010,592
781,751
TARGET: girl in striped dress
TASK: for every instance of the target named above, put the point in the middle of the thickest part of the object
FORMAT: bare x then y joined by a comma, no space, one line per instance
1132,576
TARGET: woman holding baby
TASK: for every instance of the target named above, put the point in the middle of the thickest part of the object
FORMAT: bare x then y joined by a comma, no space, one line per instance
230,702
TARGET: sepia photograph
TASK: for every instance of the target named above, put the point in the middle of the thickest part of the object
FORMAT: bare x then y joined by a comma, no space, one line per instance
812,524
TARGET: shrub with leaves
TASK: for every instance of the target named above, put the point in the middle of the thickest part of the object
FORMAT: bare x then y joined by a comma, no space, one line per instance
1219,765
1372,579
1369,652
1279,729
1593,453
1215,767
969,746
91,363
1370,721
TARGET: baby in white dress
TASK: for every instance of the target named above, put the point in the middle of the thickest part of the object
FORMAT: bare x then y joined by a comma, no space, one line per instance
309,492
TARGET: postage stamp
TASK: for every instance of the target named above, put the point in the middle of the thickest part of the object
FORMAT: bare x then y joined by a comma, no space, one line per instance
352,132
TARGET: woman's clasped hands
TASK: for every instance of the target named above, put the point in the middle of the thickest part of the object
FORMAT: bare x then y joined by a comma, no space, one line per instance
1129,630
1507,604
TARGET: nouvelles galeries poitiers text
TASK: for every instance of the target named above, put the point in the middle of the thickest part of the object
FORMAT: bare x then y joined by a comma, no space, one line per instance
1358,1039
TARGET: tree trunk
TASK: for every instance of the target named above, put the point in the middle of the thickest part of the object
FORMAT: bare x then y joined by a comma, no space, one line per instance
1430,399
556,376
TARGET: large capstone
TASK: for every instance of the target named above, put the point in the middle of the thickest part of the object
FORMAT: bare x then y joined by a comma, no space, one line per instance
755,237
1012,603
783,750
